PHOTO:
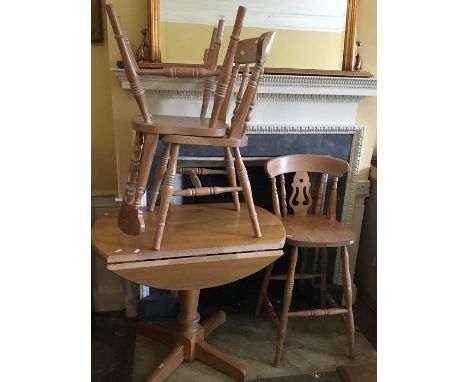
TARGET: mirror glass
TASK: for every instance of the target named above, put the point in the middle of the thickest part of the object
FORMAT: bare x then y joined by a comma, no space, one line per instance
310,33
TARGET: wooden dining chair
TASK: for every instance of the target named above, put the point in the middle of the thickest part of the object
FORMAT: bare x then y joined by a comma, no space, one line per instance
149,127
252,51
308,227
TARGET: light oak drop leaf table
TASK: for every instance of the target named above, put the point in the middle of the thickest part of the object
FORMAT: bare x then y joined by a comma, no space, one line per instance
204,245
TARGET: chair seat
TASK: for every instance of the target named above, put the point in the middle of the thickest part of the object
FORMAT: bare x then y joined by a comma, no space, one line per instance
316,231
170,124
206,141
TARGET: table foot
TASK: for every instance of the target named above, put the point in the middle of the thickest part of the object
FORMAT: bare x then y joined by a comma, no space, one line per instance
218,360
166,367
213,322
188,343
147,329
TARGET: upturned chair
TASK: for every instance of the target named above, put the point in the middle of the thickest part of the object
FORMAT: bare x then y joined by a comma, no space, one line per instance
309,230
149,127
252,51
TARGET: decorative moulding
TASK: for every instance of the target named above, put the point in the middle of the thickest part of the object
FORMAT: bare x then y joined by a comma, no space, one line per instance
271,83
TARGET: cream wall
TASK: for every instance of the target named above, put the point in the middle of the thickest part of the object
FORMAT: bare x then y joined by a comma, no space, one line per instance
367,109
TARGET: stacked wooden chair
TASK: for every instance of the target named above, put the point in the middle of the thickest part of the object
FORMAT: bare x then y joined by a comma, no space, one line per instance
309,229
175,130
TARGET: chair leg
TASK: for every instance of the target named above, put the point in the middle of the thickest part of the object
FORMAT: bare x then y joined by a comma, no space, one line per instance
166,196
288,289
264,288
134,166
231,172
323,278
247,191
147,156
162,167
348,299
130,219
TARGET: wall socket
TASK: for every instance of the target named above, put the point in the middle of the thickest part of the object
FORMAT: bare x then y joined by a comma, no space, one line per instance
362,188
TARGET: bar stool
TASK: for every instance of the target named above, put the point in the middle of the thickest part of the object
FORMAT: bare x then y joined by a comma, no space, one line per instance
308,231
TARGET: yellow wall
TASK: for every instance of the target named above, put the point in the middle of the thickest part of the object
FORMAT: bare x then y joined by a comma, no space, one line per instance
185,43
367,109
103,168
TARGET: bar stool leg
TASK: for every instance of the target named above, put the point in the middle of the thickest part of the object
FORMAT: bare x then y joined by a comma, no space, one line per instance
348,299
247,191
288,289
264,288
231,172
162,167
323,278
166,196
134,166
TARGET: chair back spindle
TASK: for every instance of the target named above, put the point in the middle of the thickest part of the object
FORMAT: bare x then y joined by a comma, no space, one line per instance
331,213
210,60
284,204
254,50
274,196
130,64
320,194
226,70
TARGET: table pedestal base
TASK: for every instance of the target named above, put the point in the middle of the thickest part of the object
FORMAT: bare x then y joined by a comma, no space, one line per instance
187,341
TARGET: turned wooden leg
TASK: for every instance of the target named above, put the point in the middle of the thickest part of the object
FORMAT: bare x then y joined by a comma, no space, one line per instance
323,278
288,289
348,299
162,166
168,365
166,196
218,360
133,171
264,288
130,219
247,191
231,172
147,156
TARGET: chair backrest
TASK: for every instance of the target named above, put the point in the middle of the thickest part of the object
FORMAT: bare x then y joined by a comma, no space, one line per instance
129,61
250,52
301,200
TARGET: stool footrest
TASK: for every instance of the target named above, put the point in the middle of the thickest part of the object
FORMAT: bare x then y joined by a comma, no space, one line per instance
296,277
205,191
318,312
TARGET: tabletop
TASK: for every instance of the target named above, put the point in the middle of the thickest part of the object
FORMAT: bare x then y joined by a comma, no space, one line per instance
204,245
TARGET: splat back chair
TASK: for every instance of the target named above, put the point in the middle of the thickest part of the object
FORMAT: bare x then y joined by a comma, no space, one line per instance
308,227
250,52
148,127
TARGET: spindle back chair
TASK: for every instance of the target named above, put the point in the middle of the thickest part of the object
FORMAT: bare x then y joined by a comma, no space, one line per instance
308,226
249,52
148,127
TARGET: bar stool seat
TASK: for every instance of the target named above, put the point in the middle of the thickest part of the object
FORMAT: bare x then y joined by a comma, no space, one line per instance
172,124
316,231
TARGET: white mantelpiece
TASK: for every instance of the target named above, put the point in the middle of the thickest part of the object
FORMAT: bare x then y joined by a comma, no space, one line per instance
286,104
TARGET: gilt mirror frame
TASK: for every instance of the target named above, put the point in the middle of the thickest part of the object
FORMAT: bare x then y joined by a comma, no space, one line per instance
348,48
